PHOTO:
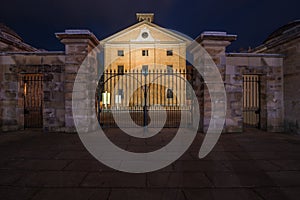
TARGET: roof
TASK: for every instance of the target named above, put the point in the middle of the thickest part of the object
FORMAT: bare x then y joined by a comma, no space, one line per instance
287,29
13,40
170,32
5,30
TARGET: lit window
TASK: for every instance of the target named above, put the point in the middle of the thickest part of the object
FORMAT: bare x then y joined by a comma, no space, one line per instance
145,70
169,52
121,93
145,53
120,53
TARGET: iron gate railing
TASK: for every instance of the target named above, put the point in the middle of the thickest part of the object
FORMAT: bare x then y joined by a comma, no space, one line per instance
33,100
145,92
251,101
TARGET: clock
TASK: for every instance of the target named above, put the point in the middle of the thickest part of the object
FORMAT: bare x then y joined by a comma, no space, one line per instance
145,35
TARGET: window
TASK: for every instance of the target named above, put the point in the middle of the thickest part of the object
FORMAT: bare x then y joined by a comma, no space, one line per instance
121,69
169,69
169,52
121,93
119,96
145,53
120,53
145,70
169,94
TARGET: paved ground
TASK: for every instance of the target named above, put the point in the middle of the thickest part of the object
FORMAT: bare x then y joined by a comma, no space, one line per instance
253,165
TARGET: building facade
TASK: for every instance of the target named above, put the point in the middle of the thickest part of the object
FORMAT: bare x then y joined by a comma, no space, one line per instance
145,48
286,41
38,84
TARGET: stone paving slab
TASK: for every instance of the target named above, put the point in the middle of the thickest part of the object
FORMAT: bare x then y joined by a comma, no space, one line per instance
199,165
240,179
292,193
287,164
253,165
74,155
48,164
51,179
178,180
13,193
221,194
86,165
285,178
72,194
147,194
114,180
250,165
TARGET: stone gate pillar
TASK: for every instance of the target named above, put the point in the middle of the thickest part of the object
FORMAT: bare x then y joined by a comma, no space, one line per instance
78,43
215,44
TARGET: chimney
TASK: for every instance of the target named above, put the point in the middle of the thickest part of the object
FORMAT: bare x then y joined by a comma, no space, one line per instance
145,16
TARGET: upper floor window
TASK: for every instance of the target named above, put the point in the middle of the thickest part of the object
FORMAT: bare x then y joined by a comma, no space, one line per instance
169,52
120,53
145,53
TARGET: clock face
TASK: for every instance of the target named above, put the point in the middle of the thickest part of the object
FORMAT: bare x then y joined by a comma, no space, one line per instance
144,35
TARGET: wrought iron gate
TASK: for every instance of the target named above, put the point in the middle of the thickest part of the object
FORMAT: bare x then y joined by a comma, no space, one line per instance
150,95
251,101
33,104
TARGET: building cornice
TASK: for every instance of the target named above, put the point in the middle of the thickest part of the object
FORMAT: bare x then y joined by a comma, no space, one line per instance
77,34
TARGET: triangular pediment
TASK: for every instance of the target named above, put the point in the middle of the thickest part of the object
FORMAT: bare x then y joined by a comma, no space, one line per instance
145,31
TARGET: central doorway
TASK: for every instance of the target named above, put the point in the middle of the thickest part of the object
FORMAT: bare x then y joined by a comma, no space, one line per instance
161,91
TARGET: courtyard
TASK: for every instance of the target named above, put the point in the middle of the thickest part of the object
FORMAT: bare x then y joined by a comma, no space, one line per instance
253,165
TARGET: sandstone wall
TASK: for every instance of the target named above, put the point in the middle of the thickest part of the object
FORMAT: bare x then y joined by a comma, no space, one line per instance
291,75
51,65
269,67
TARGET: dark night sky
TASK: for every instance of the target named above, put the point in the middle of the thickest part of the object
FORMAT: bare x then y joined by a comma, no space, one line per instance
36,21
